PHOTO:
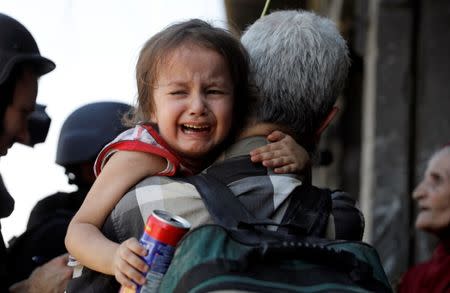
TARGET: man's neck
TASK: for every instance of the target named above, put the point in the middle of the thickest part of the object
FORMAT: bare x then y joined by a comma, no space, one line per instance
260,129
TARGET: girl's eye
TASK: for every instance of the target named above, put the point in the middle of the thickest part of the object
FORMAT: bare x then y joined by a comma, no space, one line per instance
215,92
178,93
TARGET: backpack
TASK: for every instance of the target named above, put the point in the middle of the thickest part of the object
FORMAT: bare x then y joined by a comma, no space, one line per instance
240,254
315,220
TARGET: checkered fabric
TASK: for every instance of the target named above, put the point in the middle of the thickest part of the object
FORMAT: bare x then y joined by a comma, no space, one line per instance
264,193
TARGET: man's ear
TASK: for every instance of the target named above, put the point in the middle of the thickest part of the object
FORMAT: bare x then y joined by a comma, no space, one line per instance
326,122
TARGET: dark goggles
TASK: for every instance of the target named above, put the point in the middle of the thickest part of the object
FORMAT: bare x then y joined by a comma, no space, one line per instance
38,125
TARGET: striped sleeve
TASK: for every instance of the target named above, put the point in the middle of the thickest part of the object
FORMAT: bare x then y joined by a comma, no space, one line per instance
141,138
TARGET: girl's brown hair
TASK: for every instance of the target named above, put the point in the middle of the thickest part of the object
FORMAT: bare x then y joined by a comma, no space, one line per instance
200,33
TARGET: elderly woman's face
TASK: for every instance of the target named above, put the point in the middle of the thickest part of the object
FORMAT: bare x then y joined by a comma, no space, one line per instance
433,195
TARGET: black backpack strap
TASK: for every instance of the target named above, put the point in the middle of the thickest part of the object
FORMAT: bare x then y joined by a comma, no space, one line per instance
348,219
307,213
224,207
309,208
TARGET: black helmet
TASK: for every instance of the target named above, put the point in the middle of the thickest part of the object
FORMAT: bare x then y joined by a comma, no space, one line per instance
87,130
17,45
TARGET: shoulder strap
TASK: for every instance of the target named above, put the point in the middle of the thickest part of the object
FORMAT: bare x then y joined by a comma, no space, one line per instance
229,210
307,212
309,208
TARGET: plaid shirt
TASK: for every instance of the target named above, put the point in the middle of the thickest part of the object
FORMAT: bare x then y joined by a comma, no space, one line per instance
263,193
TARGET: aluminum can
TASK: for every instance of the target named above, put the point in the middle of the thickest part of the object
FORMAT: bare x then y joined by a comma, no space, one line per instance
76,265
162,233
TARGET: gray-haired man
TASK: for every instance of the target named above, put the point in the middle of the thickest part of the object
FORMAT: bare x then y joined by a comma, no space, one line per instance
299,63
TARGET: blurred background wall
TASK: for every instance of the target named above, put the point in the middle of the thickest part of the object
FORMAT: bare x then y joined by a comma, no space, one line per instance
394,111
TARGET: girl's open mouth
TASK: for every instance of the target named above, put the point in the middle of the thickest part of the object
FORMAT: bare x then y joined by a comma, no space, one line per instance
190,128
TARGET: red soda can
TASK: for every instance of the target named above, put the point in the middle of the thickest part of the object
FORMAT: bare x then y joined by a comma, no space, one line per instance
162,233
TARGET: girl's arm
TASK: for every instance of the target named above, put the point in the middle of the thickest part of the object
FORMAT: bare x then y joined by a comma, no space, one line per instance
283,154
84,239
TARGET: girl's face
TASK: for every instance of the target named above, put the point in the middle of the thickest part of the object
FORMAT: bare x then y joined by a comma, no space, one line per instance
193,100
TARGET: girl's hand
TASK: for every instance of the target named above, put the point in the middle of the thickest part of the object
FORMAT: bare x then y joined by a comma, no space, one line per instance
283,154
128,264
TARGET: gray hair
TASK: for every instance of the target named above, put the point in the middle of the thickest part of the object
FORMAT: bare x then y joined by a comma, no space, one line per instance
299,64
443,151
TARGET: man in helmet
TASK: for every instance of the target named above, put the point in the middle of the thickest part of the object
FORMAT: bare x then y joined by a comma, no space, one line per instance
21,65
82,136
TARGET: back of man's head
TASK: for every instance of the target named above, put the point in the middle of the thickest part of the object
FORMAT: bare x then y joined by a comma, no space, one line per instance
299,63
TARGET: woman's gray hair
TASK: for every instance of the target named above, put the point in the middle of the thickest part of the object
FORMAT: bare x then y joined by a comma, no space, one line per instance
299,65
445,150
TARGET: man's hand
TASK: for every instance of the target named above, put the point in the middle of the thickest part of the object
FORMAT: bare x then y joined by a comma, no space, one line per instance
51,277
